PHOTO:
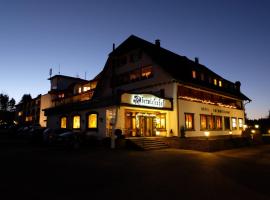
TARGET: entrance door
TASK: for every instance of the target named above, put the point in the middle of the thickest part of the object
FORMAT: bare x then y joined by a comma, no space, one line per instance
146,126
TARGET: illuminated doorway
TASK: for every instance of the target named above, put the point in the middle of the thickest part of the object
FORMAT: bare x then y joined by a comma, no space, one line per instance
144,124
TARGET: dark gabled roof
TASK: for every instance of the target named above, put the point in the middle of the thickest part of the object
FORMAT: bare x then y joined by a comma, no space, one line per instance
179,67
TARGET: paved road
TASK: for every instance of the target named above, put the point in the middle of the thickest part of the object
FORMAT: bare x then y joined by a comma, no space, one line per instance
33,172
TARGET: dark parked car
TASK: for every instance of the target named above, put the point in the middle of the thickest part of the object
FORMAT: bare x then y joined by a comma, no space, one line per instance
50,135
69,139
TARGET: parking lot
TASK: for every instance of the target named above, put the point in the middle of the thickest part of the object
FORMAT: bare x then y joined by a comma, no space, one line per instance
32,171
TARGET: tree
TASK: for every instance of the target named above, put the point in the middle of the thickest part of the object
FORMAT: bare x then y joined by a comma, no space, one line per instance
26,98
11,104
4,99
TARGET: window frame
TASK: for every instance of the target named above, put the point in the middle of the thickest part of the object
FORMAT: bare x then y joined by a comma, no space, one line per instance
242,124
76,115
192,128
87,120
234,118
61,117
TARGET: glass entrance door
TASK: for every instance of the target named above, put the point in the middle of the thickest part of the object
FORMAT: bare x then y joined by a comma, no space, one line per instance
146,126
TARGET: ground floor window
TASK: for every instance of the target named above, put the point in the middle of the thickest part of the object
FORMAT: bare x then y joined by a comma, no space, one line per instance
234,125
227,124
211,122
92,120
161,121
240,123
189,121
63,122
76,122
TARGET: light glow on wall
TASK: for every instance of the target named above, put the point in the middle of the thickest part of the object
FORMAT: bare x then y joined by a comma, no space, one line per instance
207,133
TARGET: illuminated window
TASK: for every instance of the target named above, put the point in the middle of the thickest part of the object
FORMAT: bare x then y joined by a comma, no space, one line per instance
240,123
227,124
63,122
92,120
80,90
76,121
203,122
134,75
211,122
218,122
61,95
161,121
147,72
193,74
86,88
20,113
189,121
215,81
234,125
28,118
220,83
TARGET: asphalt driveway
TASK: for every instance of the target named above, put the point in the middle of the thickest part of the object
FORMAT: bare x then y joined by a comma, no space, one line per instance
35,172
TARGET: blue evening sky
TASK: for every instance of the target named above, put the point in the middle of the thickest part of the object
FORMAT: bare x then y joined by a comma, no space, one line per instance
231,37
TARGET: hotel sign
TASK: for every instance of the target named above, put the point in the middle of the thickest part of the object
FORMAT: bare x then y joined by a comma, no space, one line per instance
145,100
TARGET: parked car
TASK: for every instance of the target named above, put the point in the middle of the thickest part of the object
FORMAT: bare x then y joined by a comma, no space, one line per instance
50,135
69,139
36,134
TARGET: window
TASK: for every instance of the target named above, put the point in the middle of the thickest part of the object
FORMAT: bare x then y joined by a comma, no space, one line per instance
193,74
134,75
63,122
202,76
227,123
220,83
80,90
215,81
234,125
210,122
147,72
203,122
218,122
92,120
240,123
76,122
189,121
161,121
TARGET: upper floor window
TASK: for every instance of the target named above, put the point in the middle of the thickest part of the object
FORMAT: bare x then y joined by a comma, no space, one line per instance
76,122
220,83
202,76
193,74
189,121
92,120
215,81
63,122
147,72
134,75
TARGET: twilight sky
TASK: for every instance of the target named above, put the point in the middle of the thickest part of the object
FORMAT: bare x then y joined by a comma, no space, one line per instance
231,37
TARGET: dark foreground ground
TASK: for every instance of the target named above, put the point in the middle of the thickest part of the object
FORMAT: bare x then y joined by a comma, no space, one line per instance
35,172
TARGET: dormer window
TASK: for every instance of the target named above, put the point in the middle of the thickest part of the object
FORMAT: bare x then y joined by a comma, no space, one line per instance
193,74
220,83
215,81
202,76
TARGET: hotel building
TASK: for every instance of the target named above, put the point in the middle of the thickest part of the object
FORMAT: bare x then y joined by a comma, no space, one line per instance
146,90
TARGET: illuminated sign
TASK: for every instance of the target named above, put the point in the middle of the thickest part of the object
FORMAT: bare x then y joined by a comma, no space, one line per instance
149,100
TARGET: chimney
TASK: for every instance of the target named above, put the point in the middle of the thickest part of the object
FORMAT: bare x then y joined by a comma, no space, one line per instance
196,60
113,47
157,42
237,85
